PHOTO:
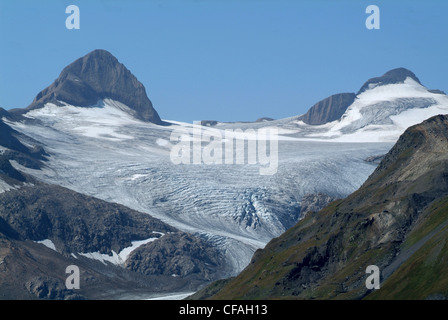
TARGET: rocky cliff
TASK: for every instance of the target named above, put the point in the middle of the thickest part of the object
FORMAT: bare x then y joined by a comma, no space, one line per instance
329,109
96,76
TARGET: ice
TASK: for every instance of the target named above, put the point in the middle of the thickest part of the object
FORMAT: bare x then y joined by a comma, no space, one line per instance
411,117
101,121
105,152
117,259
4,186
114,258
231,205
382,113
48,243
174,296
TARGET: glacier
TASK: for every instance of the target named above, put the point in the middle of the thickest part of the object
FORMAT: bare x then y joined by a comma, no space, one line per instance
103,151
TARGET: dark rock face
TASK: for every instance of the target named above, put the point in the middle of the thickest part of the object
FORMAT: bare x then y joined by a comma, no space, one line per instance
49,288
74,222
8,139
176,254
209,123
314,203
8,170
376,159
31,157
3,113
98,75
329,109
397,75
264,119
437,91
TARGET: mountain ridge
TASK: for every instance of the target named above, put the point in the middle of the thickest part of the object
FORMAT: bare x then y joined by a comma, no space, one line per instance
397,75
334,107
96,76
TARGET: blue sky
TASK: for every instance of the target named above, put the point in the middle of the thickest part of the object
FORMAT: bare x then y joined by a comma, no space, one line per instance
225,60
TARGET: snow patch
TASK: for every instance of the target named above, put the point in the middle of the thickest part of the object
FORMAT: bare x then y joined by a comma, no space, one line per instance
101,121
4,186
48,243
120,258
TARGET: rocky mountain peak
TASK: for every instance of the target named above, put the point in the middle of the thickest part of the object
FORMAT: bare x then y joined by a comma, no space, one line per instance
332,108
393,76
98,75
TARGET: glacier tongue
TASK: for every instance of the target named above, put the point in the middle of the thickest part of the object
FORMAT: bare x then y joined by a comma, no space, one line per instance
106,153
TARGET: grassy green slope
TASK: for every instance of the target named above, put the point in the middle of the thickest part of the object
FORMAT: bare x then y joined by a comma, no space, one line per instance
425,274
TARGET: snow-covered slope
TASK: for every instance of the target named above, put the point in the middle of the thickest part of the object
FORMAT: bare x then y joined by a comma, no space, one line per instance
382,113
4,186
104,151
